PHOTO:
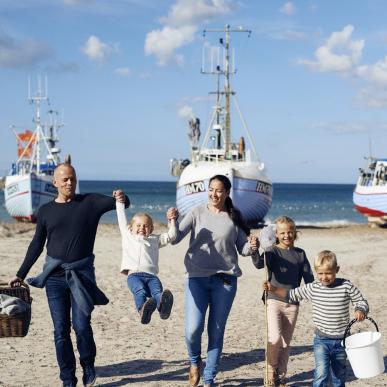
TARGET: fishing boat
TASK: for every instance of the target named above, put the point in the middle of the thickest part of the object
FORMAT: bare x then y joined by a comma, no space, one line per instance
218,154
370,194
28,185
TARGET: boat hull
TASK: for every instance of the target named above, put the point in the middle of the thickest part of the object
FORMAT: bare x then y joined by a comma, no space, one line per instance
24,194
371,201
251,189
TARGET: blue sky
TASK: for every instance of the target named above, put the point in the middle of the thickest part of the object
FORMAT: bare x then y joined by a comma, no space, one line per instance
311,81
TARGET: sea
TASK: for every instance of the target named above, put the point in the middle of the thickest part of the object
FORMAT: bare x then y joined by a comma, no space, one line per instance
313,205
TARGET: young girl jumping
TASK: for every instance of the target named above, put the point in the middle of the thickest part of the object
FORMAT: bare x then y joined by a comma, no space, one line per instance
140,262
287,265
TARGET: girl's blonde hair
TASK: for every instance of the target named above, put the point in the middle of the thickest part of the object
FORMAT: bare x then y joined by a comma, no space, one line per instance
286,220
326,258
141,215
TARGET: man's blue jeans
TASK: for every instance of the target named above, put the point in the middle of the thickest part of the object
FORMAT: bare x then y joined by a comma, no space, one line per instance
330,359
143,286
216,292
61,302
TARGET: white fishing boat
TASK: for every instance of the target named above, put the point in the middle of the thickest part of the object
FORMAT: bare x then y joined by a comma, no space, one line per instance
218,154
28,184
370,194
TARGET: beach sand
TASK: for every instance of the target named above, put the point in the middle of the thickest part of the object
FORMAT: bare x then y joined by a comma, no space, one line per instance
129,353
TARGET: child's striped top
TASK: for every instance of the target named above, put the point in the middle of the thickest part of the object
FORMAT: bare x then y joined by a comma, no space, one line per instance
330,304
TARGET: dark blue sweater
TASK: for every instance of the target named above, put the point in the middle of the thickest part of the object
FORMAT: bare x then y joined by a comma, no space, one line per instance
69,229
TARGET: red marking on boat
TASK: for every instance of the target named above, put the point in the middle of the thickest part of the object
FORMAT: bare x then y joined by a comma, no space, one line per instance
18,194
369,211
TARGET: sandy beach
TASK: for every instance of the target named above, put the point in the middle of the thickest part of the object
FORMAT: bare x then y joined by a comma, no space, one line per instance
129,353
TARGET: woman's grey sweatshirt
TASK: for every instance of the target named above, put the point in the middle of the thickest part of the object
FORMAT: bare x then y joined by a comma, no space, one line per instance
214,243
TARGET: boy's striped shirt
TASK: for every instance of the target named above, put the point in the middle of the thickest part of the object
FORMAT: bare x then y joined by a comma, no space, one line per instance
330,304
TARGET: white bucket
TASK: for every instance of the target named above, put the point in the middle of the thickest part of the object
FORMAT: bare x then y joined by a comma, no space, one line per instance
364,353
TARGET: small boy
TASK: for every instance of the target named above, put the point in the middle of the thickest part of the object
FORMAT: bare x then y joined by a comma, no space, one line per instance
140,262
330,298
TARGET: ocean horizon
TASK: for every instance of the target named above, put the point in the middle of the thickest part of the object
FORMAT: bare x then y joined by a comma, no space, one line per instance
309,204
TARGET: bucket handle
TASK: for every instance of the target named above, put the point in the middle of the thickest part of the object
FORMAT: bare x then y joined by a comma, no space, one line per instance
347,330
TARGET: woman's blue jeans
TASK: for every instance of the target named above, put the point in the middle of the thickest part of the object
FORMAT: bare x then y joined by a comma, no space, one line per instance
61,302
217,293
330,358
143,286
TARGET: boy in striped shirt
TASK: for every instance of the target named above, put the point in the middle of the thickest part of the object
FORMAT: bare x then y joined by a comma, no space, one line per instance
330,298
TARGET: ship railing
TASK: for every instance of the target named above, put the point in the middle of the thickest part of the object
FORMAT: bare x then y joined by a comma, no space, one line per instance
214,154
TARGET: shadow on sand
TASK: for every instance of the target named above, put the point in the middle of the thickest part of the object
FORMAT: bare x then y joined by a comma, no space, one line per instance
176,372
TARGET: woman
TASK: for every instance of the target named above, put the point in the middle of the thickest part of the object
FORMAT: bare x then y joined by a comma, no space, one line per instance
217,235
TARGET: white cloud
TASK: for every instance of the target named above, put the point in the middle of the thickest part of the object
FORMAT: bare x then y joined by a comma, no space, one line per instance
179,27
185,12
163,43
339,54
26,53
375,73
288,8
97,50
372,98
123,71
186,112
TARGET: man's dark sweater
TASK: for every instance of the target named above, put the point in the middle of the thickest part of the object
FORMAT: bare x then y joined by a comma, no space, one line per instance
69,228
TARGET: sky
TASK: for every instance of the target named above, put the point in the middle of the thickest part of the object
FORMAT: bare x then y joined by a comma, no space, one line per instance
125,76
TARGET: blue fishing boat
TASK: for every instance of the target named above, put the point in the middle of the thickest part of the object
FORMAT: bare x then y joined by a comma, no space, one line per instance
28,185
218,154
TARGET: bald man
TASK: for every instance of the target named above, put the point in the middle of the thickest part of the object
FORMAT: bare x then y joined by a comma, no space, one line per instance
69,225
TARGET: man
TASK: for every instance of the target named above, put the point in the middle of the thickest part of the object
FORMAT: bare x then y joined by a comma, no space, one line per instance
69,224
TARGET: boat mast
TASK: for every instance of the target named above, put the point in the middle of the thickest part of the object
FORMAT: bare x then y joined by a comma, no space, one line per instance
37,100
227,91
227,86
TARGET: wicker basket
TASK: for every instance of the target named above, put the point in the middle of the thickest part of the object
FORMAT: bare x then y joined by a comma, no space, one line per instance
17,325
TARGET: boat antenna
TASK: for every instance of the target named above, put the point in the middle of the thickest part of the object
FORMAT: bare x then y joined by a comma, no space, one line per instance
226,71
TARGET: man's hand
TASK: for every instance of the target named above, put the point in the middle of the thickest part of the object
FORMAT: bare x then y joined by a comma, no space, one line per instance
15,282
119,195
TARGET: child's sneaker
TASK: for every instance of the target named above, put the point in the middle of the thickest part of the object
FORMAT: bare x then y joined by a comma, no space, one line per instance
166,303
146,310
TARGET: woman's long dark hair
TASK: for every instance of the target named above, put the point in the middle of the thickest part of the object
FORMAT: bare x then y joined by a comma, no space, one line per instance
234,214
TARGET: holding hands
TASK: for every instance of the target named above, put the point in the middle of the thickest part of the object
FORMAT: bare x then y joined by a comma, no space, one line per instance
254,242
119,195
172,214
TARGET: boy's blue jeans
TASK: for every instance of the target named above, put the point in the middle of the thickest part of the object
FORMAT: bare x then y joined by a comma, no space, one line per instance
143,286
216,292
330,359
61,302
